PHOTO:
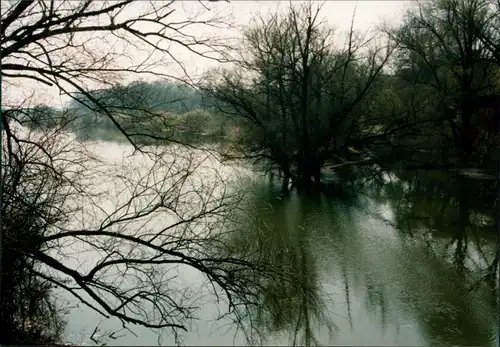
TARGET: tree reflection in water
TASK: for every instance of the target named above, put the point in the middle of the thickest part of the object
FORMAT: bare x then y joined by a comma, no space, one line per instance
436,272
454,218
457,209
276,235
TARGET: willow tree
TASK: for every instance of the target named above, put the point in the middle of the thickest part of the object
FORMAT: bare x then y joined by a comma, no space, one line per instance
297,92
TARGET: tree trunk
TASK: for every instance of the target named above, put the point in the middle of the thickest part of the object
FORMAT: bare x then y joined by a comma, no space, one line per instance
284,184
9,285
466,145
309,173
317,177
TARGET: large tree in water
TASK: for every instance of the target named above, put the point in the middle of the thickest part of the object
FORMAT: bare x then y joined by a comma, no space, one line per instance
297,92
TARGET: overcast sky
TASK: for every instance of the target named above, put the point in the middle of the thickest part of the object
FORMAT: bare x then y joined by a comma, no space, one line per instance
337,13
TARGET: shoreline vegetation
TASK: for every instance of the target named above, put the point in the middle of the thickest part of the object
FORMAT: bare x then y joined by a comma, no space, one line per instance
200,125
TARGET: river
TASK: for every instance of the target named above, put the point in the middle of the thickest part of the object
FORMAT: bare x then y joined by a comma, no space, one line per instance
399,260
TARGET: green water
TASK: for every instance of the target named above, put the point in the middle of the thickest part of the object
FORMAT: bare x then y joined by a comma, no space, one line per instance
402,261
406,259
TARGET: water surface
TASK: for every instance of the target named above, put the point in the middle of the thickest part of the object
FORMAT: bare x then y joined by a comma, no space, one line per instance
408,259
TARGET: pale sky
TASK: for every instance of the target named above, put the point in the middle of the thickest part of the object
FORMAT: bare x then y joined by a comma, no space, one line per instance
337,13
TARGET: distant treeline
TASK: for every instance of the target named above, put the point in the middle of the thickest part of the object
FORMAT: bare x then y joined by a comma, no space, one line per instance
160,110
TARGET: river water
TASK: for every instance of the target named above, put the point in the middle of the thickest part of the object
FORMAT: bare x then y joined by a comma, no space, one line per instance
399,260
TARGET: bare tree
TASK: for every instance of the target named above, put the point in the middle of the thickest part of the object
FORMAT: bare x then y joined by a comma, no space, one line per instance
133,227
298,93
75,46
31,202
119,244
488,31
439,44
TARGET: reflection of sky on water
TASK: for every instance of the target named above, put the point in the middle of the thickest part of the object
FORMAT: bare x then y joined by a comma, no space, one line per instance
378,286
